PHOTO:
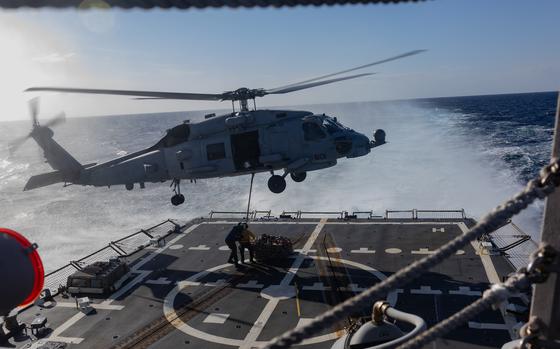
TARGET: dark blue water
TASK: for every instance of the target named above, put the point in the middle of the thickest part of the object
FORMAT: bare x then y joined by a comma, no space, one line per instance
516,128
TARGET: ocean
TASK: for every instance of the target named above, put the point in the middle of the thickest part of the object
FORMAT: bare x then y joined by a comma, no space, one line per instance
445,153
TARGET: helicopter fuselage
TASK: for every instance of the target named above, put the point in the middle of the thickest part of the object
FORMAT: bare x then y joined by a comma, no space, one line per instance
236,144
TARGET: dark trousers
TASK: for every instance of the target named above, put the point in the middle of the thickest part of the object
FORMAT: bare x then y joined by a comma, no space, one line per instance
233,254
242,248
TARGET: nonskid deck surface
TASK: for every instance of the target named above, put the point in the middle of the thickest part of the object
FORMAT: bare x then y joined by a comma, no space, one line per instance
184,294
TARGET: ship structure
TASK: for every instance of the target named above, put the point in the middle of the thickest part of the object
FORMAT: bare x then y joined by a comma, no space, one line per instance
170,286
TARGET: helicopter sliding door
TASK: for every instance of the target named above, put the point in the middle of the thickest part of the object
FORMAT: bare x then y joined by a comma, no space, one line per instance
246,151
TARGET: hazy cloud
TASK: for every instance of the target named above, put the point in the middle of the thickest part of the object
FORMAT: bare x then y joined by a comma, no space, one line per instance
54,57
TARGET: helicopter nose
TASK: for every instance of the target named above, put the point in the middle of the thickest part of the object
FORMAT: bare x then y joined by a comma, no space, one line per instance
360,145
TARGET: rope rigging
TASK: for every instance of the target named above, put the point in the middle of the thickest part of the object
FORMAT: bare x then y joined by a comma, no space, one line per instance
495,295
183,4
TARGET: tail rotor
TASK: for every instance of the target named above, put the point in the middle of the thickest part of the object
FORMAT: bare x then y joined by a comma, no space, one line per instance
37,129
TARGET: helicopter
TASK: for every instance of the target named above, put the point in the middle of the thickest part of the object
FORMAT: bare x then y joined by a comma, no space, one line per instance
245,141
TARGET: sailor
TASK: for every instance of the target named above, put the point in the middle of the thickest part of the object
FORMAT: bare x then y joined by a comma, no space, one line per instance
247,241
233,236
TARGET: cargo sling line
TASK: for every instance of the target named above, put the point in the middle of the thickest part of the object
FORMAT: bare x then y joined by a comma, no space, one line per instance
249,201
537,188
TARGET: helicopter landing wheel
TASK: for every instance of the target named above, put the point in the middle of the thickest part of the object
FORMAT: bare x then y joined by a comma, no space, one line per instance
177,199
298,176
276,184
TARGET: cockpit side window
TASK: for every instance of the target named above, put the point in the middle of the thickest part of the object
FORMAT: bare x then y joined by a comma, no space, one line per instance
176,135
312,132
331,126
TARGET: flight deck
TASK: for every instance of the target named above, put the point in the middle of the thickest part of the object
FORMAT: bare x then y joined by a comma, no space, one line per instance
181,292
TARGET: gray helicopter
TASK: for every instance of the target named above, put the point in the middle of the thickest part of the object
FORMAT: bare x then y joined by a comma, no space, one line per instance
238,143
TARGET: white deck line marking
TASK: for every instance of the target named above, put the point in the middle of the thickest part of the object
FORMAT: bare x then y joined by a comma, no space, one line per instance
217,283
160,281
251,284
67,324
516,307
334,249
93,305
254,222
317,286
257,328
223,248
355,288
171,315
199,248
487,326
69,340
393,250
465,291
493,277
215,318
435,230
422,251
303,321
299,250
362,250
425,290
394,223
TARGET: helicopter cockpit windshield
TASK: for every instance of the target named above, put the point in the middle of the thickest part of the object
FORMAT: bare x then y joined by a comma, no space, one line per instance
176,135
332,125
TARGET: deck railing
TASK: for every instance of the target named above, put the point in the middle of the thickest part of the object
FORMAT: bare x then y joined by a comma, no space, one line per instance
123,247
389,214
514,244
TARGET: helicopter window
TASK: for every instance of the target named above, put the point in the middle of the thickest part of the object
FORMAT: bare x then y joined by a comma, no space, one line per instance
216,151
331,126
177,135
312,131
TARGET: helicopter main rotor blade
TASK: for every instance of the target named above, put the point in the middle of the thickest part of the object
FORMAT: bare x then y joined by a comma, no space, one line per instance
156,94
59,119
403,55
313,84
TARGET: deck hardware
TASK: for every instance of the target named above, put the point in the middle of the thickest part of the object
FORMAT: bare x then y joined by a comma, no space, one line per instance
31,248
539,267
378,312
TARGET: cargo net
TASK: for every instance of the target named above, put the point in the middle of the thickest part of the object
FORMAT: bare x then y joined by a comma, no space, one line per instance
121,248
57,278
273,249
537,271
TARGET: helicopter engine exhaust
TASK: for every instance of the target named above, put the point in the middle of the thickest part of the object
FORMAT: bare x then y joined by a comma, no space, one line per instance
378,138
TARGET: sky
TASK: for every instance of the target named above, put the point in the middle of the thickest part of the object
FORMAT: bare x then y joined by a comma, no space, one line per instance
474,47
